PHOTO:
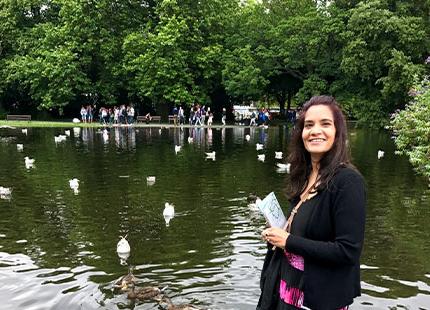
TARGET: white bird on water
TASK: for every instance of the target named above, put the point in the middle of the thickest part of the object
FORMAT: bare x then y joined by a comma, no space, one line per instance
210,155
150,180
261,157
60,138
259,146
122,246
74,183
177,149
380,154
24,131
5,191
20,147
284,167
278,155
123,250
29,162
168,212
247,137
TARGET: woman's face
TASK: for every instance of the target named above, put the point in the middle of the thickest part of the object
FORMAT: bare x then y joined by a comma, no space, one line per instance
319,131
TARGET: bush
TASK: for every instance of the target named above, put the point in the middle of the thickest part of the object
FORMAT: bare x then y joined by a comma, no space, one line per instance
411,127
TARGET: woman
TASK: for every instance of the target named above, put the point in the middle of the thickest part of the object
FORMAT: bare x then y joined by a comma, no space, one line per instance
314,262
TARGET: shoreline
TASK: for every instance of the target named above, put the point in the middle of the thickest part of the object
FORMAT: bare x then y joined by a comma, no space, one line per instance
61,124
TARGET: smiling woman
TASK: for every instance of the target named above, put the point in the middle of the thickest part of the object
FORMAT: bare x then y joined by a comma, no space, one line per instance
316,259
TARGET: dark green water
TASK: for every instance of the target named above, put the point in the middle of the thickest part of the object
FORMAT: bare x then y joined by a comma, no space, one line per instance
58,248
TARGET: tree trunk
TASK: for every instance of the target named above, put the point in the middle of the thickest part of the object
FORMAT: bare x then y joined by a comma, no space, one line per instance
290,95
280,97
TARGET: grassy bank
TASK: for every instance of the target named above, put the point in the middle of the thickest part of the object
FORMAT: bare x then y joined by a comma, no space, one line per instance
96,124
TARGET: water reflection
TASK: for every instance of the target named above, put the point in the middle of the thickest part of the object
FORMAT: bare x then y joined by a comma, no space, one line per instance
61,247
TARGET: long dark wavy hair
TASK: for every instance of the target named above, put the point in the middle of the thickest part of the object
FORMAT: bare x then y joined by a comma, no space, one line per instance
334,159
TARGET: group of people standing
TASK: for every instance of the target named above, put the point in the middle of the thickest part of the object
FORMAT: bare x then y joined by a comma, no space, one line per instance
109,116
198,116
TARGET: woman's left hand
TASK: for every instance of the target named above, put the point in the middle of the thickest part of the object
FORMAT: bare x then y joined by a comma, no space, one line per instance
276,236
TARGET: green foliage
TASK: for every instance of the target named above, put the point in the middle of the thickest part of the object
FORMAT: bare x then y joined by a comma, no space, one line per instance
366,53
412,128
383,51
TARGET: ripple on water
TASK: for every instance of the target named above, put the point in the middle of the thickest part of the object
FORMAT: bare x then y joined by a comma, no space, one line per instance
26,286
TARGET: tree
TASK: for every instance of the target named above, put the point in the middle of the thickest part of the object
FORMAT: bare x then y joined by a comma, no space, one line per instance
382,53
412,127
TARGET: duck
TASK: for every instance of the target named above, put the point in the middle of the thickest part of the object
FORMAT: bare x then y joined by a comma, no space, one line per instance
5,191
210,155
74,183
259,146
145,293
380,154
123,246
253,201
150,179
177,149
24,131
129,280
60,138
28,161
284,167
76,120
261,157
168,212
20,147
190,139
278,155
247,137
252,198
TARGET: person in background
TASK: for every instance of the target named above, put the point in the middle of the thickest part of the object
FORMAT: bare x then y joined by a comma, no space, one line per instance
181,116
314,261
90,113
148,117
130,114
83,114
210,119
175,115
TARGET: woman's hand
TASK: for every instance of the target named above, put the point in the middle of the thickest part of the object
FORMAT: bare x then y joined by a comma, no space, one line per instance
276,236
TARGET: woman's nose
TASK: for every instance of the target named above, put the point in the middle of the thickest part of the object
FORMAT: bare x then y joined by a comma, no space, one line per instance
315,130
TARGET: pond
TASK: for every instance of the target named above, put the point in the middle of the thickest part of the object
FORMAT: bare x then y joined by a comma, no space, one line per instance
58,246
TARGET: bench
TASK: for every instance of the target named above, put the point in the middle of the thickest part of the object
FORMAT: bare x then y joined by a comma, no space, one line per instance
172,119
142,118
16,117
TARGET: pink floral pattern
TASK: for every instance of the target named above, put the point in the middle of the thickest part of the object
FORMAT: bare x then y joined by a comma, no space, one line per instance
295,261
291,295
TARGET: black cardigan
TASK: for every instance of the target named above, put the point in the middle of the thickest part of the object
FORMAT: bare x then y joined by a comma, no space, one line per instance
333,242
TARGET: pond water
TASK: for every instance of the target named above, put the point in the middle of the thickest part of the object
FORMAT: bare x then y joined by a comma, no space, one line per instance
58,247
